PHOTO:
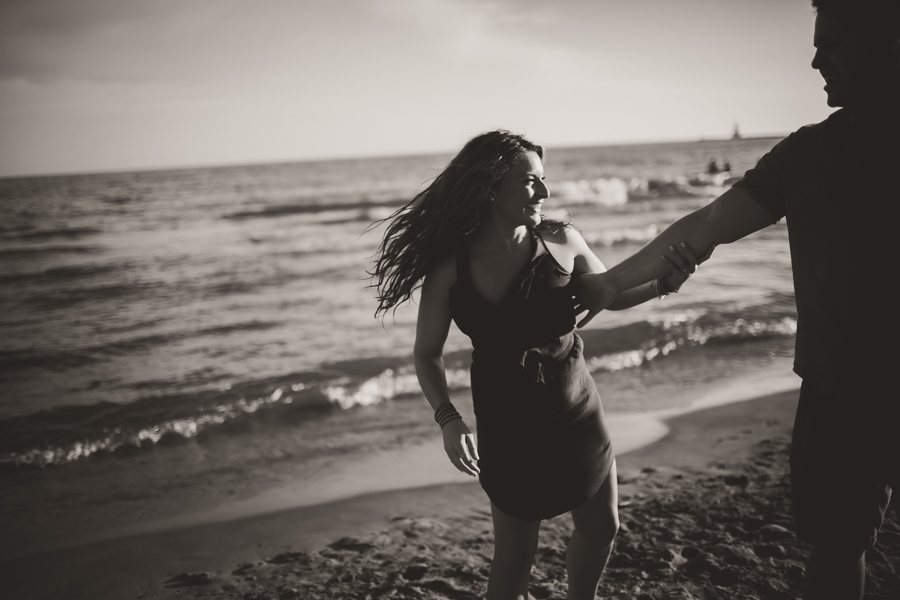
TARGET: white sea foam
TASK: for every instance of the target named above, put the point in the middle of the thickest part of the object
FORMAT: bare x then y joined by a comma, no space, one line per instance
626,235
388,384
602,191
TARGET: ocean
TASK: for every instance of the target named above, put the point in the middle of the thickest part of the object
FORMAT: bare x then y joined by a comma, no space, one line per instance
193,336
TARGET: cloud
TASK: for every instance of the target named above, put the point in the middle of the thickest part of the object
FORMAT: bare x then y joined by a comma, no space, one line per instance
44,40
464,29
474,32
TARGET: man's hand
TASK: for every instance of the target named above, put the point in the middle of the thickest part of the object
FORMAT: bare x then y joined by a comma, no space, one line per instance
593,293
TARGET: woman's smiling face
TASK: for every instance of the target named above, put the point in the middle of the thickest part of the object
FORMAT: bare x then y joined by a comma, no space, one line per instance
521,191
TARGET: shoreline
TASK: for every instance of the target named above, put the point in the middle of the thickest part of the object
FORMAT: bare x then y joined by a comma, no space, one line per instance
719,429
421,465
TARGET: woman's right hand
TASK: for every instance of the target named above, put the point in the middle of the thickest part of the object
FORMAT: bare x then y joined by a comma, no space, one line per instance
459,444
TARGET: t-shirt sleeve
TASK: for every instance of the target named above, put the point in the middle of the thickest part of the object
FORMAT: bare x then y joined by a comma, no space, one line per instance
766,182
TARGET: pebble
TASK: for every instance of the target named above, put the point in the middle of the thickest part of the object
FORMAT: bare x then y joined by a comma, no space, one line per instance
770,550
415,572
352,544
738,555
188,579
736,480
773,531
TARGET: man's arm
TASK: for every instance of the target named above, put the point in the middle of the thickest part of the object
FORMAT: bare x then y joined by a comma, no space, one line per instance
733,215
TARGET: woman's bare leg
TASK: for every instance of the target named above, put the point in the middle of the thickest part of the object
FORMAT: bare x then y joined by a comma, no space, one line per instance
596,525
515,542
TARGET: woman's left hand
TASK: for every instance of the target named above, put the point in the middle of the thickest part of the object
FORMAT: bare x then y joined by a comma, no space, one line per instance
682,263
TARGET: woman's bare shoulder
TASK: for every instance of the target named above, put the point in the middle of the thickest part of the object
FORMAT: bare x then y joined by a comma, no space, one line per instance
562,240
559,233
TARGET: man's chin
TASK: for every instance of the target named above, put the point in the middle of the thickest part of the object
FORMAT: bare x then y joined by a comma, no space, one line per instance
835,100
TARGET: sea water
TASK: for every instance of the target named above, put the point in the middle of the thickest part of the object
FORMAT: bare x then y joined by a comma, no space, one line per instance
197,335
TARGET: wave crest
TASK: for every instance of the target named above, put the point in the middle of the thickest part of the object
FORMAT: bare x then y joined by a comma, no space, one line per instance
85,431
614,192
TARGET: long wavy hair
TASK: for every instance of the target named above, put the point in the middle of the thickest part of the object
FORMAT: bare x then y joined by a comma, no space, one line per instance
450,208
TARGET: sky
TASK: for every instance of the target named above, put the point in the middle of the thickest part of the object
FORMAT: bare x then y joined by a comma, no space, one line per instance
111,85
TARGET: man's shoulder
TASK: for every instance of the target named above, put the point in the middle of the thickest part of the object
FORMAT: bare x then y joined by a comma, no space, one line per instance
797,161
835,123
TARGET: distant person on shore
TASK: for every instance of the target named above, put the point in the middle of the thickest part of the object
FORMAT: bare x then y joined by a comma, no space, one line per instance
494,265
836,184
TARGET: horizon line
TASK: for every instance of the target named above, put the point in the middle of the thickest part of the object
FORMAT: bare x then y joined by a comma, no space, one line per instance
227,165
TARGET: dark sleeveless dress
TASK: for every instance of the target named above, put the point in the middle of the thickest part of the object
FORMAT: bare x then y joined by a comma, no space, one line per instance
543,445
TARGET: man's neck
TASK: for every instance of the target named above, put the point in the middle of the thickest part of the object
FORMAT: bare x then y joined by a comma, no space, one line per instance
879,119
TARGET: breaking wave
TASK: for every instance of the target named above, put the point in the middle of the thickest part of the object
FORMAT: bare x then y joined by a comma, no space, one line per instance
67,434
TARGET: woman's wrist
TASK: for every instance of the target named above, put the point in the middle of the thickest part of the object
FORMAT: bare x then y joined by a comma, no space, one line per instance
664,288
445,412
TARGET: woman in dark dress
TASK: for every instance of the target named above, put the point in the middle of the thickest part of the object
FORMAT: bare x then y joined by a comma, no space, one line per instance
492,264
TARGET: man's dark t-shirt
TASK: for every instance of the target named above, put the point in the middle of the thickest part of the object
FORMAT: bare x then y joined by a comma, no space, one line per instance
838,185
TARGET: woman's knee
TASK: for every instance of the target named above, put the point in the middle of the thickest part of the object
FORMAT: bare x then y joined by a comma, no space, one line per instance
600,530
514,552
598,519
513,560
605,533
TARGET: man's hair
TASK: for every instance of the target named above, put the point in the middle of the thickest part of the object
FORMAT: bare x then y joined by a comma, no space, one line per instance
875,6
881,17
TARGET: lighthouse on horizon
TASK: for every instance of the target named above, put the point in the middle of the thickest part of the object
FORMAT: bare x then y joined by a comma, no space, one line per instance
737,133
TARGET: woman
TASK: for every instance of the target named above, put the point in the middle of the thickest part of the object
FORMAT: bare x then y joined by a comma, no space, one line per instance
491,263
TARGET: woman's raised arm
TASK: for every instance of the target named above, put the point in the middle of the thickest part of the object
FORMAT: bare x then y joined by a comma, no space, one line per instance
679,259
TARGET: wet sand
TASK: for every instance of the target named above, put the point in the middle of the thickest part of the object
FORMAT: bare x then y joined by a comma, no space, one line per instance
704,513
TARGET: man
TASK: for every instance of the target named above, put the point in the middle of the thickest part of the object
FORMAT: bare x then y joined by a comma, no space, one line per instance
838,185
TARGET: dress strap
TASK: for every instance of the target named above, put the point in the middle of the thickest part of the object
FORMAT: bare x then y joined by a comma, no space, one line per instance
463,272
546,252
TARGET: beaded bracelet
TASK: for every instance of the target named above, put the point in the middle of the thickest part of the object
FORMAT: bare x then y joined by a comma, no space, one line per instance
445,412
664,288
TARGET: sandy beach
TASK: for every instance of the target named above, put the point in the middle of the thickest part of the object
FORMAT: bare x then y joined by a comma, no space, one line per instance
704,514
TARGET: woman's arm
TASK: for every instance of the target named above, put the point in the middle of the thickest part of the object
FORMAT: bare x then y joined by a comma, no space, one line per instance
731,216
634,296
682,263
679,259
432,327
